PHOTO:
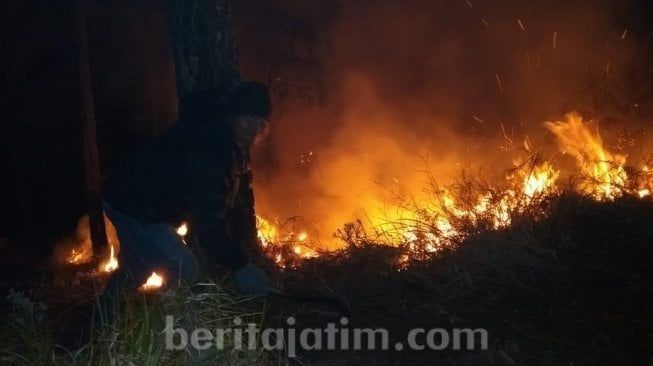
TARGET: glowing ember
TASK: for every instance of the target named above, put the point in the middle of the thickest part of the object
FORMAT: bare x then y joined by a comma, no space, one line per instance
643,193
305,252
78,256
153,282
402,262
302,236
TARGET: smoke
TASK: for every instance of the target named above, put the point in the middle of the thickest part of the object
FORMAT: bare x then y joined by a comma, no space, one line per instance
371,94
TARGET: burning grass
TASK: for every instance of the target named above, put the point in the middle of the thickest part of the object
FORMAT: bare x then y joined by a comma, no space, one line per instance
554,264
428,219
570,287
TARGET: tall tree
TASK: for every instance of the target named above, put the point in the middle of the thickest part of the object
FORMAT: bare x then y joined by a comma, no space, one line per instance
91,159
204,45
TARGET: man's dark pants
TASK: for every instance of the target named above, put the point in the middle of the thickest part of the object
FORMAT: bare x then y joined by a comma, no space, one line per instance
146,248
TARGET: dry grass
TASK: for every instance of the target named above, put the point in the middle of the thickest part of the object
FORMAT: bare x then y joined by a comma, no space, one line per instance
135,337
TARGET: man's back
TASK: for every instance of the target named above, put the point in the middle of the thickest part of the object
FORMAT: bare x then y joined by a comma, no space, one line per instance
156,183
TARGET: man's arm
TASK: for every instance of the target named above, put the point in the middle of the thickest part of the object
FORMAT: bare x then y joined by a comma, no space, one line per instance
242,220
210,199
211,180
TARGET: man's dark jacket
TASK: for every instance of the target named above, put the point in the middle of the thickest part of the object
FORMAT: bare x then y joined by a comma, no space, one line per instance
190,173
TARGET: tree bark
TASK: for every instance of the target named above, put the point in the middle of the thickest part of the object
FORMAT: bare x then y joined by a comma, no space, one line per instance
204,45
91,159
205,53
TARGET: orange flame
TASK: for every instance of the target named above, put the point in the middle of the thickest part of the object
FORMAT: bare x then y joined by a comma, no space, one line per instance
155,281
397,225
266,232
111,264
541,181
82,252
182,230
431,220
78,256
606,175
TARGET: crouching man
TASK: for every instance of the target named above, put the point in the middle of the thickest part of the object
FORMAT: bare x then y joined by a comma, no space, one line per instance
191,172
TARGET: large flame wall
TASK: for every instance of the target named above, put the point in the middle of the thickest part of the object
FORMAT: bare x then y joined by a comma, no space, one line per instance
370,95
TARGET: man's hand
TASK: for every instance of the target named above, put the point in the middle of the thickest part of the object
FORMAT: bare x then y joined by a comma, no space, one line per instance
252,281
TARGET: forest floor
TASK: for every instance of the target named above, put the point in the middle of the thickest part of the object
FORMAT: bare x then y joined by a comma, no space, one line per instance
573,287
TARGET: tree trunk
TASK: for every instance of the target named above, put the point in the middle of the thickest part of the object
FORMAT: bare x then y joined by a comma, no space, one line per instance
204,45
19,192
91,159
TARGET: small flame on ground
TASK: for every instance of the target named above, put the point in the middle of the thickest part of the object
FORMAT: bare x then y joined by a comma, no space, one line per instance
154,282
111,264
182,230
78,256
83,250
